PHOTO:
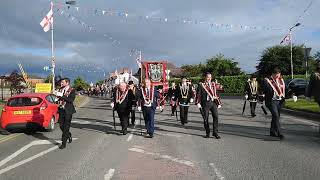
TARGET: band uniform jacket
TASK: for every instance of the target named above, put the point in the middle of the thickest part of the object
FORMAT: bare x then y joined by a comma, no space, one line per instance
172,93
314,86
269,92
135,95
126,103
68,99
202,96
252,89
154,102
184,95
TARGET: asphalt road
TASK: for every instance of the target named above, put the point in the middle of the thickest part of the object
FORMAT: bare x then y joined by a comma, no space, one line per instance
98,152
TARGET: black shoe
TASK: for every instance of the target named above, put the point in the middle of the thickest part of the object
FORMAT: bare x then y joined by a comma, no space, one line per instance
151,135
207,136
62,146
70,139
273,135
125,132
216,136
281,137
172,114
253,115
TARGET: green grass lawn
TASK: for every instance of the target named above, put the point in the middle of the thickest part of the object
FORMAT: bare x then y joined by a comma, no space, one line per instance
303,105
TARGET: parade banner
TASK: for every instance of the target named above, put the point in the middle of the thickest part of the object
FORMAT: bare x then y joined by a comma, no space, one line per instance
43,88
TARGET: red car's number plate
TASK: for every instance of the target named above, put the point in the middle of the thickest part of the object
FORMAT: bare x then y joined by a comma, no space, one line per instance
22,112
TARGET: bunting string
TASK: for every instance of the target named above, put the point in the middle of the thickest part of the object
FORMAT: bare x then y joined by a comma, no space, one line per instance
127,15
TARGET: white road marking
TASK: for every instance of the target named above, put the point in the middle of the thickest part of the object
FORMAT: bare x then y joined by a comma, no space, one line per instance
130,137
217,172
181,161
109,175
131,134
27,160
169,134
24,148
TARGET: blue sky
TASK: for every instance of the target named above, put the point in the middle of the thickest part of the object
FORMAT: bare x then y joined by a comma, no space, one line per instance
91,54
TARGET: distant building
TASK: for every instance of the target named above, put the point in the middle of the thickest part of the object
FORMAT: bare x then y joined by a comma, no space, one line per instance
124,75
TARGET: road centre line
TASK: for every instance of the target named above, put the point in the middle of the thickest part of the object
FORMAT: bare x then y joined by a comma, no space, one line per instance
109,175
177,160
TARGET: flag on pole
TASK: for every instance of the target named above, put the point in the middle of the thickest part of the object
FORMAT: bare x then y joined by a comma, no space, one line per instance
286,40
47,21
130,76
139,61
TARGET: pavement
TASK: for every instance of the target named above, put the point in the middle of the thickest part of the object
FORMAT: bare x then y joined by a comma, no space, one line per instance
176,152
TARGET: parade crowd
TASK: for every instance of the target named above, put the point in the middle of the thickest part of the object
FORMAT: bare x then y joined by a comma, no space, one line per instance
127,98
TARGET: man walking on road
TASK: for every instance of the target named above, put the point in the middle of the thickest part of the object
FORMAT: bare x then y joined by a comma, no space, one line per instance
208,100
66,97
135,93
251,93
148,101
172,93
122,103
314,86
184,96
274,90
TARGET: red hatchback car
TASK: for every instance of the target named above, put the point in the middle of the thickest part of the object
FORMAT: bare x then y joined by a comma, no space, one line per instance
30,110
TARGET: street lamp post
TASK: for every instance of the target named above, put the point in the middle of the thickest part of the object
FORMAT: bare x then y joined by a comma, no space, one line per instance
290,34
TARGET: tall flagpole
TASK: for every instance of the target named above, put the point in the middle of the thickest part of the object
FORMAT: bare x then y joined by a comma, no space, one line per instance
291,61
52,53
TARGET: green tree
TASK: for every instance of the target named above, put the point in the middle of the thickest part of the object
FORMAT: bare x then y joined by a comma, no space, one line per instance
48,79
280,56
17,83
80,84
317,57
192,70
220,65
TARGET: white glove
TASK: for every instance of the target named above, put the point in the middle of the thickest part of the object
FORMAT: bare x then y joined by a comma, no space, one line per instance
199,105
59,94
191,100
308,98
219,106
246,96
161,108
112,105
295,98
139,108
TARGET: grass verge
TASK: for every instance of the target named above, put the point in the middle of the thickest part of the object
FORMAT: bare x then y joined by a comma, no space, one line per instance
302,105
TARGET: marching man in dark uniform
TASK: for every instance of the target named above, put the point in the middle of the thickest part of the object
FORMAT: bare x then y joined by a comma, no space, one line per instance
148,101
184,96
122,103
314,86
208,100
274,90
172,95
135,93
251,93
66,96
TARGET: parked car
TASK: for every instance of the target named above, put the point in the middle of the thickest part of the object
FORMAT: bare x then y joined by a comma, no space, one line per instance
297,85
30,110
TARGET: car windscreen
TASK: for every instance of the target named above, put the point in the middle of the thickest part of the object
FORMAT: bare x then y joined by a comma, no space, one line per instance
24,101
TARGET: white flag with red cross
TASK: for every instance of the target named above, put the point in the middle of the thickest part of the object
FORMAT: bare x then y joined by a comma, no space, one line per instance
47,21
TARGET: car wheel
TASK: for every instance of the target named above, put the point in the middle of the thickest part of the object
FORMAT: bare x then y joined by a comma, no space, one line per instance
51,125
